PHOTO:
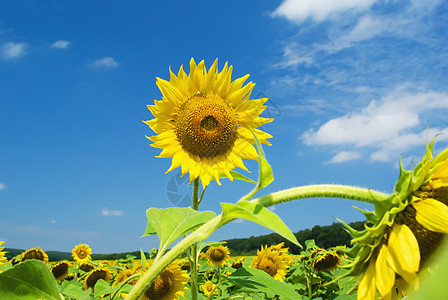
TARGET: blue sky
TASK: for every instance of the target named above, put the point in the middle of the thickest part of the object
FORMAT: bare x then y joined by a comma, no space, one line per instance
353,85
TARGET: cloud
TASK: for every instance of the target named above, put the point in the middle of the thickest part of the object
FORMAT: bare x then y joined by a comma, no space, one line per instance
345,156
389,125
299,10
13,50
2,186
61,44
111,213
105,63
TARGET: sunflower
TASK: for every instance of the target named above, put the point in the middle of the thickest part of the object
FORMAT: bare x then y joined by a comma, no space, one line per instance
3,259
169,285
217,256
406,230
283,252
60,270
86,266
271,262
326,261
95,275
207,288
204,122
34,253
81,253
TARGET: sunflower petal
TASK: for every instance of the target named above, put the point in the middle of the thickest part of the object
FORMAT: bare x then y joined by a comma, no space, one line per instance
432,214
367,284
385,278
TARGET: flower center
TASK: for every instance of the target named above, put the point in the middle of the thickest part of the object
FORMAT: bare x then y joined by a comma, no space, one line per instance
82,254
217,255
206,126
268,265
161,286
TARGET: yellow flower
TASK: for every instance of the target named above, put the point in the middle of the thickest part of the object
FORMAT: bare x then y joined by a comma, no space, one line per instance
60,270
271,262
95,275
207,288
217,256
34,253
169,285
283,252
326,261
406,230
204,122
81,253
3,259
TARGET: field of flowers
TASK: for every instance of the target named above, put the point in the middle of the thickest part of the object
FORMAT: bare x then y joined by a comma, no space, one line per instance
207,124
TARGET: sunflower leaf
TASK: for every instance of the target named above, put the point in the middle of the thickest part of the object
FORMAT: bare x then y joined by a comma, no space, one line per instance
173,222
265,176
30,279
238,176
258,280
258,214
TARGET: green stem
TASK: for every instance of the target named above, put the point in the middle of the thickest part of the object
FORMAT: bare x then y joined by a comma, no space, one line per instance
194,247
203,232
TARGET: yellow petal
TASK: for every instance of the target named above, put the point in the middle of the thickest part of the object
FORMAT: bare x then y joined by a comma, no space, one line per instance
432,214
404,256
367,284
385,278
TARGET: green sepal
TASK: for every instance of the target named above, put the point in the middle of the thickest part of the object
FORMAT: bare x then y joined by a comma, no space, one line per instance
258,214
265,175
238,176
173,222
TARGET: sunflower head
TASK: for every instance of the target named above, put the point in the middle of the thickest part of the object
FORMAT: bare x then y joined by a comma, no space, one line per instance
205,121
217,256
169,285
86,266
81,253
271,262
34,253
207,288
405,229
326,261
3,259
95,275
60,270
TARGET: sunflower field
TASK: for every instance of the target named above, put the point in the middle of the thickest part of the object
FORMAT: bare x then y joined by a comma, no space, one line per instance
207,124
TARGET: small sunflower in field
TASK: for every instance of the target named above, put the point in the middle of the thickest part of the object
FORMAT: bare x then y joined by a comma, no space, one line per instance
60,270
406,229
237,263
205,122
34,253
123,275
271,262
217,256
326,260
207,288
81,253
86,266
169,285
95,275
3,259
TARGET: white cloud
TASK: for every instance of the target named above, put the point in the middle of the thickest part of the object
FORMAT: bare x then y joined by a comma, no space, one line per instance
13,50
2,186
104,63
61,44
111,213
319,10
389,125
345,156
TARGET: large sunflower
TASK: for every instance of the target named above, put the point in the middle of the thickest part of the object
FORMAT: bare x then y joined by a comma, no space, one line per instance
81,253
169,285
204,121
34,253
270,261
406,230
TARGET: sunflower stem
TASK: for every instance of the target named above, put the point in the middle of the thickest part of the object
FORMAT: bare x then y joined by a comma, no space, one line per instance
194,247
204,231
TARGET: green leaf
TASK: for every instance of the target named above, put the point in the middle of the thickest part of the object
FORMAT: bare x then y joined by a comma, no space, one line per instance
143,258
258,280
265,176
171,223
74,290
30,279
259,214
202,245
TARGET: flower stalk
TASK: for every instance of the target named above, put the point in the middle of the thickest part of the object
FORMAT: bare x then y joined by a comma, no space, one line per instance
204,231
194,247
